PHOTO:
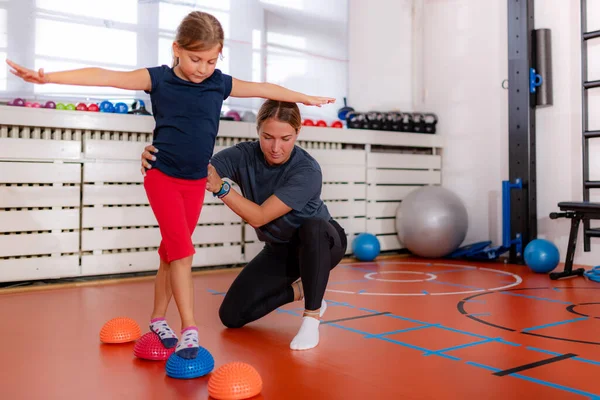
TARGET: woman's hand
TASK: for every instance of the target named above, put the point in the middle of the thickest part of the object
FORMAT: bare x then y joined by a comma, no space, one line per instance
213,180
28,75
318,101
147,155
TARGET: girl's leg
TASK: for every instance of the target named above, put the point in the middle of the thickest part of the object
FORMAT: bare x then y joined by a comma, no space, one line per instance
262,286
162,297
177,211
181,273
162,290
321,246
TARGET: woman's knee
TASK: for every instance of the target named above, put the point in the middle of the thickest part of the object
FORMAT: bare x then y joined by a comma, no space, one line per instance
230,317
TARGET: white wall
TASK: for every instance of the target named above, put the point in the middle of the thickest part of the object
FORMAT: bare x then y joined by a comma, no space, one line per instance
464,63
456,68
380,55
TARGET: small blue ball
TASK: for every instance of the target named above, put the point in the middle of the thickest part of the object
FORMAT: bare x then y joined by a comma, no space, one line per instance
541,255
366,247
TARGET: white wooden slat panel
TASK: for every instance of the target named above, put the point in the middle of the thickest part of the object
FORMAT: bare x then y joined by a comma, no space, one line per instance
215,214
38,243
408,161
353,225
252,249
404,177
143,216
118,150
114,195
113,239
38,220
39,149
39,196
346,208
25,172
387,209
217,234
348,173
343,191
378,226
378,192
338,157
250,234
125,172
148,260
124,195
117,217
114,150
389,242
24,269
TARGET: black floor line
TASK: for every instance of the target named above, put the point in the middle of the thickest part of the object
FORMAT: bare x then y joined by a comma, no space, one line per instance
535,364
357,317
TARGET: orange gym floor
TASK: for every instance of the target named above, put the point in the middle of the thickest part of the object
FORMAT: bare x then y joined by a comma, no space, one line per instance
399,328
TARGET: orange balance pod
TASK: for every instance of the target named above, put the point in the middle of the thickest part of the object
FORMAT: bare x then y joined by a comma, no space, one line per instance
120,330
149,347
234,381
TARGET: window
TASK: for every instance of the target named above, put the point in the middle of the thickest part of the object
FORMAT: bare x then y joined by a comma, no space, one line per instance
110,10
85,43
310,58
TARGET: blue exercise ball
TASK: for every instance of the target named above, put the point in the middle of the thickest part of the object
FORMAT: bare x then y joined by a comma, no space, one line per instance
366,247
541,255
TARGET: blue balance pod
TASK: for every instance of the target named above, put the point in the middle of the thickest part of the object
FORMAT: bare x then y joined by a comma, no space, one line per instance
181,368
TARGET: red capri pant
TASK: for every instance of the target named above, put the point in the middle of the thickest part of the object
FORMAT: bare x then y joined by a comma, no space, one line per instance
176,204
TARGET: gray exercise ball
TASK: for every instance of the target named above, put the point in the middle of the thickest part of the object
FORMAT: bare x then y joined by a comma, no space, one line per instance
431,222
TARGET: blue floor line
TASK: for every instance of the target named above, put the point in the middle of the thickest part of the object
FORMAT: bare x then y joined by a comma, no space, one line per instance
415,328
462,346
568,321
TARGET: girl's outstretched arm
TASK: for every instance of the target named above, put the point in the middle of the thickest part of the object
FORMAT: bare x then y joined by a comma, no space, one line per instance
275,92
132,80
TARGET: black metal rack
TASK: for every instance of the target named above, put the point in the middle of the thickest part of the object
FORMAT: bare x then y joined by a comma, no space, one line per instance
588,232
521,120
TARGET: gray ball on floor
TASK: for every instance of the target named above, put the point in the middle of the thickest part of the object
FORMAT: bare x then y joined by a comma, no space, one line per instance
432,222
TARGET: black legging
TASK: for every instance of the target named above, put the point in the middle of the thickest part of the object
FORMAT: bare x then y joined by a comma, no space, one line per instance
265,283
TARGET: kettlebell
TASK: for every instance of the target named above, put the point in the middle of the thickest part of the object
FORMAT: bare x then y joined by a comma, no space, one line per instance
342,112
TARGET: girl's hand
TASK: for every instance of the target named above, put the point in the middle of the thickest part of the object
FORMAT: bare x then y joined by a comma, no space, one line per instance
28,75
318,101
213,180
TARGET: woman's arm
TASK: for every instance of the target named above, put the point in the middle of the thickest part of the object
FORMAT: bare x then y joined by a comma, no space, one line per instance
275,92
132,80
254,214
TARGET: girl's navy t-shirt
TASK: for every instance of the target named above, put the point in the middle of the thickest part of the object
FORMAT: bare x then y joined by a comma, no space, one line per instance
187,118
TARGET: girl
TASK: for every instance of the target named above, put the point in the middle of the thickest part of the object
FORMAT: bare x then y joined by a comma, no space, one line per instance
186,102
281,186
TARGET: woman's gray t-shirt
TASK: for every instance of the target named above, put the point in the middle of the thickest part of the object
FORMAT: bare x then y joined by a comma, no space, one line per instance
297,183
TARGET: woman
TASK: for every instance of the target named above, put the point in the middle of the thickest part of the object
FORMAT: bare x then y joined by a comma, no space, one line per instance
281,187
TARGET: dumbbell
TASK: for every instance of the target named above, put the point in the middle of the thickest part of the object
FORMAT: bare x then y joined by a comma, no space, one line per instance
375,120
418,122
393,120
356,120
406,122
430,122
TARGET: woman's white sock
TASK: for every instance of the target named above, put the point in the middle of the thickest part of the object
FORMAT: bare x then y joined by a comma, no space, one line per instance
308,335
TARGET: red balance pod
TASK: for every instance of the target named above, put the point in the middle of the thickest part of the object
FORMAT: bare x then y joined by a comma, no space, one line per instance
149,347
